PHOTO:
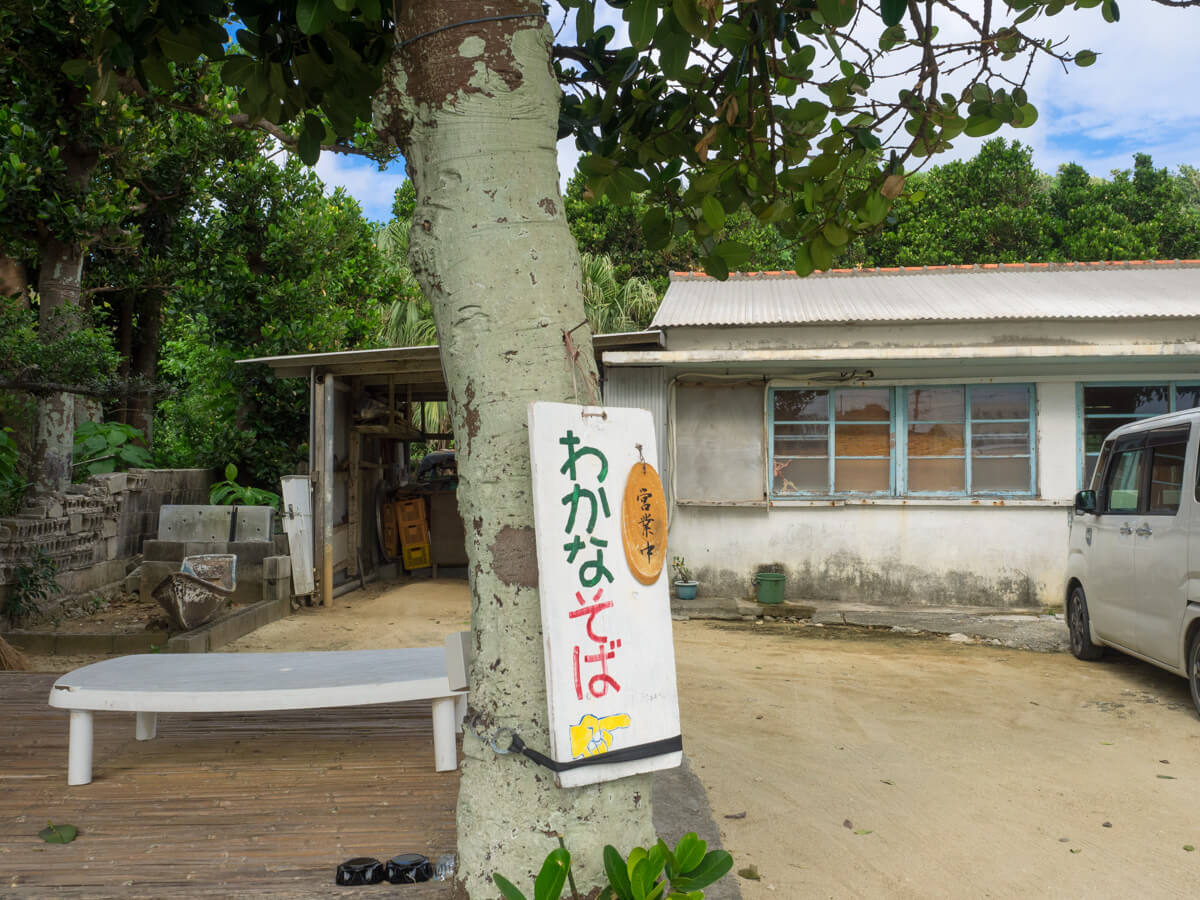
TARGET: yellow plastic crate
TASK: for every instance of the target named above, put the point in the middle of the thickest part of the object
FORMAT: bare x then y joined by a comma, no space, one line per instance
417,557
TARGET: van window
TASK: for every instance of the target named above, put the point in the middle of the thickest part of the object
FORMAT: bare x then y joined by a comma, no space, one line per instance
1122,491
1168,452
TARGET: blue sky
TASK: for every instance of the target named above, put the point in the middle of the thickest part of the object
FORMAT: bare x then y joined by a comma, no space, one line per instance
1139,97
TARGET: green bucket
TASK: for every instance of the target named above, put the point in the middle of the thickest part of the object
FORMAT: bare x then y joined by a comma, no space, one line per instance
770,587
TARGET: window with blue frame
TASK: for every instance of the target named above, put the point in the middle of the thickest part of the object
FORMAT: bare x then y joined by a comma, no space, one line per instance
944,440
1105,406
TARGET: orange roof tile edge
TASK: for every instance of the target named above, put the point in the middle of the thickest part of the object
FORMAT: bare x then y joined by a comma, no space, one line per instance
968,267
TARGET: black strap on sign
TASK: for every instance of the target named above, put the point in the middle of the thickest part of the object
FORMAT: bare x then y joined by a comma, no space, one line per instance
233,524
625,754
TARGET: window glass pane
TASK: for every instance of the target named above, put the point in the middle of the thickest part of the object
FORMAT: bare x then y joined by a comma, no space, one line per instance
801,406
801,440
1125,400
873,405
999,474
1004,401
862,475
936,475
935,440
1124,481
1096,430
795,475
1187,396
862,440
935,404
999,438
1166,477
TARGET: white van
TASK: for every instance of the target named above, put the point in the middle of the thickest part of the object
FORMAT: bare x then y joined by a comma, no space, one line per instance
1133,572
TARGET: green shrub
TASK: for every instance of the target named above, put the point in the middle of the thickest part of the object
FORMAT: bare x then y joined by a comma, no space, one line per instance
32,585
12,483
103,447
229,493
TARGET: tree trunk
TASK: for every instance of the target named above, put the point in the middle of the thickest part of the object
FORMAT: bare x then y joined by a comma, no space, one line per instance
143,368
475,110
58,287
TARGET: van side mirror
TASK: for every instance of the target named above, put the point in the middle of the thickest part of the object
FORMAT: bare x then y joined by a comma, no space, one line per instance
1085,502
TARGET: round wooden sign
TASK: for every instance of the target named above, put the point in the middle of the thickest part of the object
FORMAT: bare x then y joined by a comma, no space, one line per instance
644,523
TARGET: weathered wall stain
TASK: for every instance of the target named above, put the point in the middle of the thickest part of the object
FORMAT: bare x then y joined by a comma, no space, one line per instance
850,578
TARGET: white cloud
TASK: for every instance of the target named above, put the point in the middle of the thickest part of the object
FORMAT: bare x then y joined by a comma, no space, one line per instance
363,181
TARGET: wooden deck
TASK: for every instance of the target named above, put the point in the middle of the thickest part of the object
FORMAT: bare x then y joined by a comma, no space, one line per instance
232,805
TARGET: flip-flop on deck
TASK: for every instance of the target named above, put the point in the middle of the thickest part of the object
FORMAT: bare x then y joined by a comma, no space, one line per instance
149,684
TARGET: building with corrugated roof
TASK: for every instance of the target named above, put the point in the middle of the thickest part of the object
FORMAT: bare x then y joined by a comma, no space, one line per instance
902,436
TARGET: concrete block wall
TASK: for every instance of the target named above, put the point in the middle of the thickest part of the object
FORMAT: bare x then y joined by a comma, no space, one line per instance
94,530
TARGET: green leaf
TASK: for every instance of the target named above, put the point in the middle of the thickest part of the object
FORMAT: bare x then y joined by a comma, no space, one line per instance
309,147
892,11
1025,116
802,261
158,72
1110,11
105,87
75,68
585,22
96,443
656,228
618,876
713,867
689,852
821,252
507,888
1085,58
714,213
549,882
311,15
716,267
231,472
688,15
978,126
673,50
735,254
58,834
177,46
236,69
835,234
837,13
642,16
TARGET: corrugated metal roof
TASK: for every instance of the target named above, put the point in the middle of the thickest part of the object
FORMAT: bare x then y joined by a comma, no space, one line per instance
1120,290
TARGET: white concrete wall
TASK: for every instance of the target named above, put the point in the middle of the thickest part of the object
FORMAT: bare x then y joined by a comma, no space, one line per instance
902,555
971,551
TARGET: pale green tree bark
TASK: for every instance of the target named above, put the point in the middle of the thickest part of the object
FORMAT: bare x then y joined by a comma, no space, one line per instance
476,114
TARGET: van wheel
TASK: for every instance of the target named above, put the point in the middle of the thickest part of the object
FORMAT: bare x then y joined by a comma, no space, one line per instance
1193,668
1081,634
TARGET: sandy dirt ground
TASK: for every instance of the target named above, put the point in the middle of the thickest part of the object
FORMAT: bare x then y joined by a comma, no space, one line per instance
853,763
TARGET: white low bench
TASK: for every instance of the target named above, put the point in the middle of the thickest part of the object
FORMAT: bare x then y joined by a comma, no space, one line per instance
151,683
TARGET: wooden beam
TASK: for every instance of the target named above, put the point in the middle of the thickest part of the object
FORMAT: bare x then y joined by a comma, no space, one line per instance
323,412
354,491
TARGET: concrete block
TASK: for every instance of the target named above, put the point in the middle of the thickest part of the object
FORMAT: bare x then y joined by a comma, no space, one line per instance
108,528
164,551
275,567
54,508
211,523
112,483
37,642
132,583
189,642
5,534
75,523
139,642
111,546
34,511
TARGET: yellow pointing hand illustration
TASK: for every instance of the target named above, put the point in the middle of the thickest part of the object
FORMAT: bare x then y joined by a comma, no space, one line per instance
593,736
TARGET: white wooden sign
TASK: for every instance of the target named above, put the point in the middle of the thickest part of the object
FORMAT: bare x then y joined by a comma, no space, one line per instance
610,660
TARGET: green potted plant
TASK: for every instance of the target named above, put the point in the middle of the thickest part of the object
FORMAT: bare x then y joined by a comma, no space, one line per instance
685,587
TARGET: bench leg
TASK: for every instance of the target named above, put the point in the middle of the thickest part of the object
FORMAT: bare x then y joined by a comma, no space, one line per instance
445,750
460,712
147,726
79,753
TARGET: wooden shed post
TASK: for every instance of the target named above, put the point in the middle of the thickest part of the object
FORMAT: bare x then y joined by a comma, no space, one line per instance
323,419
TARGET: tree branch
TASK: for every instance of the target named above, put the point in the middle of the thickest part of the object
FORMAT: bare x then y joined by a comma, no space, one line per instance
243,121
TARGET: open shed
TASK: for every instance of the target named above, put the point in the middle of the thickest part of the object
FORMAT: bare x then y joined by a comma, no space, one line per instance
367,411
